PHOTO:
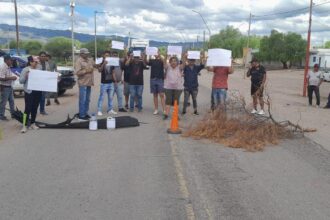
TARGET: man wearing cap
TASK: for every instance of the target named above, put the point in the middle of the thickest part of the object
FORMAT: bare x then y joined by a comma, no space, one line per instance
6,89
84,68
190,75
258,80
314,82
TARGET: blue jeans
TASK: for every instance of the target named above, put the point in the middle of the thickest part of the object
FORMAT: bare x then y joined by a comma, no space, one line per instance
43,101
107,88
6,95
135,92
219,96
119,87
84,99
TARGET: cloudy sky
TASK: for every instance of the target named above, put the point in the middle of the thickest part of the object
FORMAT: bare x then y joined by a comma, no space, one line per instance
173,20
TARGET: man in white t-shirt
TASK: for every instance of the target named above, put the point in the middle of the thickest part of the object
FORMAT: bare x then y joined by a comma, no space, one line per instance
314,82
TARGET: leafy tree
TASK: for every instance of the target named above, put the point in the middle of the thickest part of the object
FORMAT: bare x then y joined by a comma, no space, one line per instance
12,44
60,47
32,46
282,47
327,45
102,45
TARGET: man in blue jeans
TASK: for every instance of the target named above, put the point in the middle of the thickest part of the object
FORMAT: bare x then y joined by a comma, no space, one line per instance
136,66
6,89
84,68
117,72
107,85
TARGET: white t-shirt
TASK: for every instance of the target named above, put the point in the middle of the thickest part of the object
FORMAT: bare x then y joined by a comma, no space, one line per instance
314,78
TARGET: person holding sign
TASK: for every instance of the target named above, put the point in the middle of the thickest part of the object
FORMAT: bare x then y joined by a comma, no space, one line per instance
191,73
31,97
258,80
220,84
106,85
173,83
44,66
84,69
136,66
157,80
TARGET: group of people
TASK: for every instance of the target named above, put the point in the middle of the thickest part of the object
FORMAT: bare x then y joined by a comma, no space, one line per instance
169,78
34,100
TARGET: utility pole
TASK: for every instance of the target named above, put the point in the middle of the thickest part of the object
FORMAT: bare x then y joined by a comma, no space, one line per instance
197,41
17,31
72,5
204,40
308,48
248,40
129,41
95,43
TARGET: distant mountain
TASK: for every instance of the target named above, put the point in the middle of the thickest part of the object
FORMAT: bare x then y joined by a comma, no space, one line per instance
8,32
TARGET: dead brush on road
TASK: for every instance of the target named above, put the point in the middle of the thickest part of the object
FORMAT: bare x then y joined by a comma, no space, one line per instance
235,127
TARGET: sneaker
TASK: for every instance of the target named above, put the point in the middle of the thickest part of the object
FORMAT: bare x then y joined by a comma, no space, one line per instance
122,110
43,113
88,116
165,117
34,127
99,113
156,112
83,118
196,112
261,112
24,129
47,103
112,112
254,111
57,102
126,106
326,106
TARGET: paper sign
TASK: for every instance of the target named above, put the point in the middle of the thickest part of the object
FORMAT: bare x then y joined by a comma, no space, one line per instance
137,53
42,81
112,61
194,55
219,57
117,45
99,61
152,51
1,60
174,50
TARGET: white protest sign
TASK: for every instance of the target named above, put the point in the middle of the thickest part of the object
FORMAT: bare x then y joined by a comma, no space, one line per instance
137,53
112,61
42,81
174,50
194,55
152,51
219,57
1,60
99,60
117,45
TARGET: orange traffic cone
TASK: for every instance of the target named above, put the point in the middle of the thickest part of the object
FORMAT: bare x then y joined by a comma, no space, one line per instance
174,129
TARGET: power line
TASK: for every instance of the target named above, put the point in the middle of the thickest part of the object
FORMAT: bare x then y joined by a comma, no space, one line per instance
290,11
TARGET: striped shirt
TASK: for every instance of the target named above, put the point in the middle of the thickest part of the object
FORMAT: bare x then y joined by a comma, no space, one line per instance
5,71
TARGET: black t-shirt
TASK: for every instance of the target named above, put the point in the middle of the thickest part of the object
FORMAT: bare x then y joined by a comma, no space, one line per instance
257,74
106,74
136,73
157,69
127,71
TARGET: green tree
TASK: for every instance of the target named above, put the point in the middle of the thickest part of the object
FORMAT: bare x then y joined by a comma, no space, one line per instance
102,45
60,47
286,48
12,44
327,45
32,47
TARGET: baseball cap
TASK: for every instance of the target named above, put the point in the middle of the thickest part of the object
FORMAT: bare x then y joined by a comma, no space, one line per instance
84,51
6,57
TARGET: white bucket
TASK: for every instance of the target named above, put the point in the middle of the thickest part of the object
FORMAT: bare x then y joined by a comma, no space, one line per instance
93,125
111,123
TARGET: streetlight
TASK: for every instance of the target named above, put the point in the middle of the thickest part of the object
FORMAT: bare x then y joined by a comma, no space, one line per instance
72,5
96,12
204,23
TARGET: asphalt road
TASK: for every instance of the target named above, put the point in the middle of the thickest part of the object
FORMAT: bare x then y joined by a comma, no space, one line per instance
144,173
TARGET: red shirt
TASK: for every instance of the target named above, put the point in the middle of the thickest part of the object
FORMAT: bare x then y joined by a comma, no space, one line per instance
220,78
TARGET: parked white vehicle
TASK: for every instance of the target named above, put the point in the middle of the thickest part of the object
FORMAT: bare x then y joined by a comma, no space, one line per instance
326,76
